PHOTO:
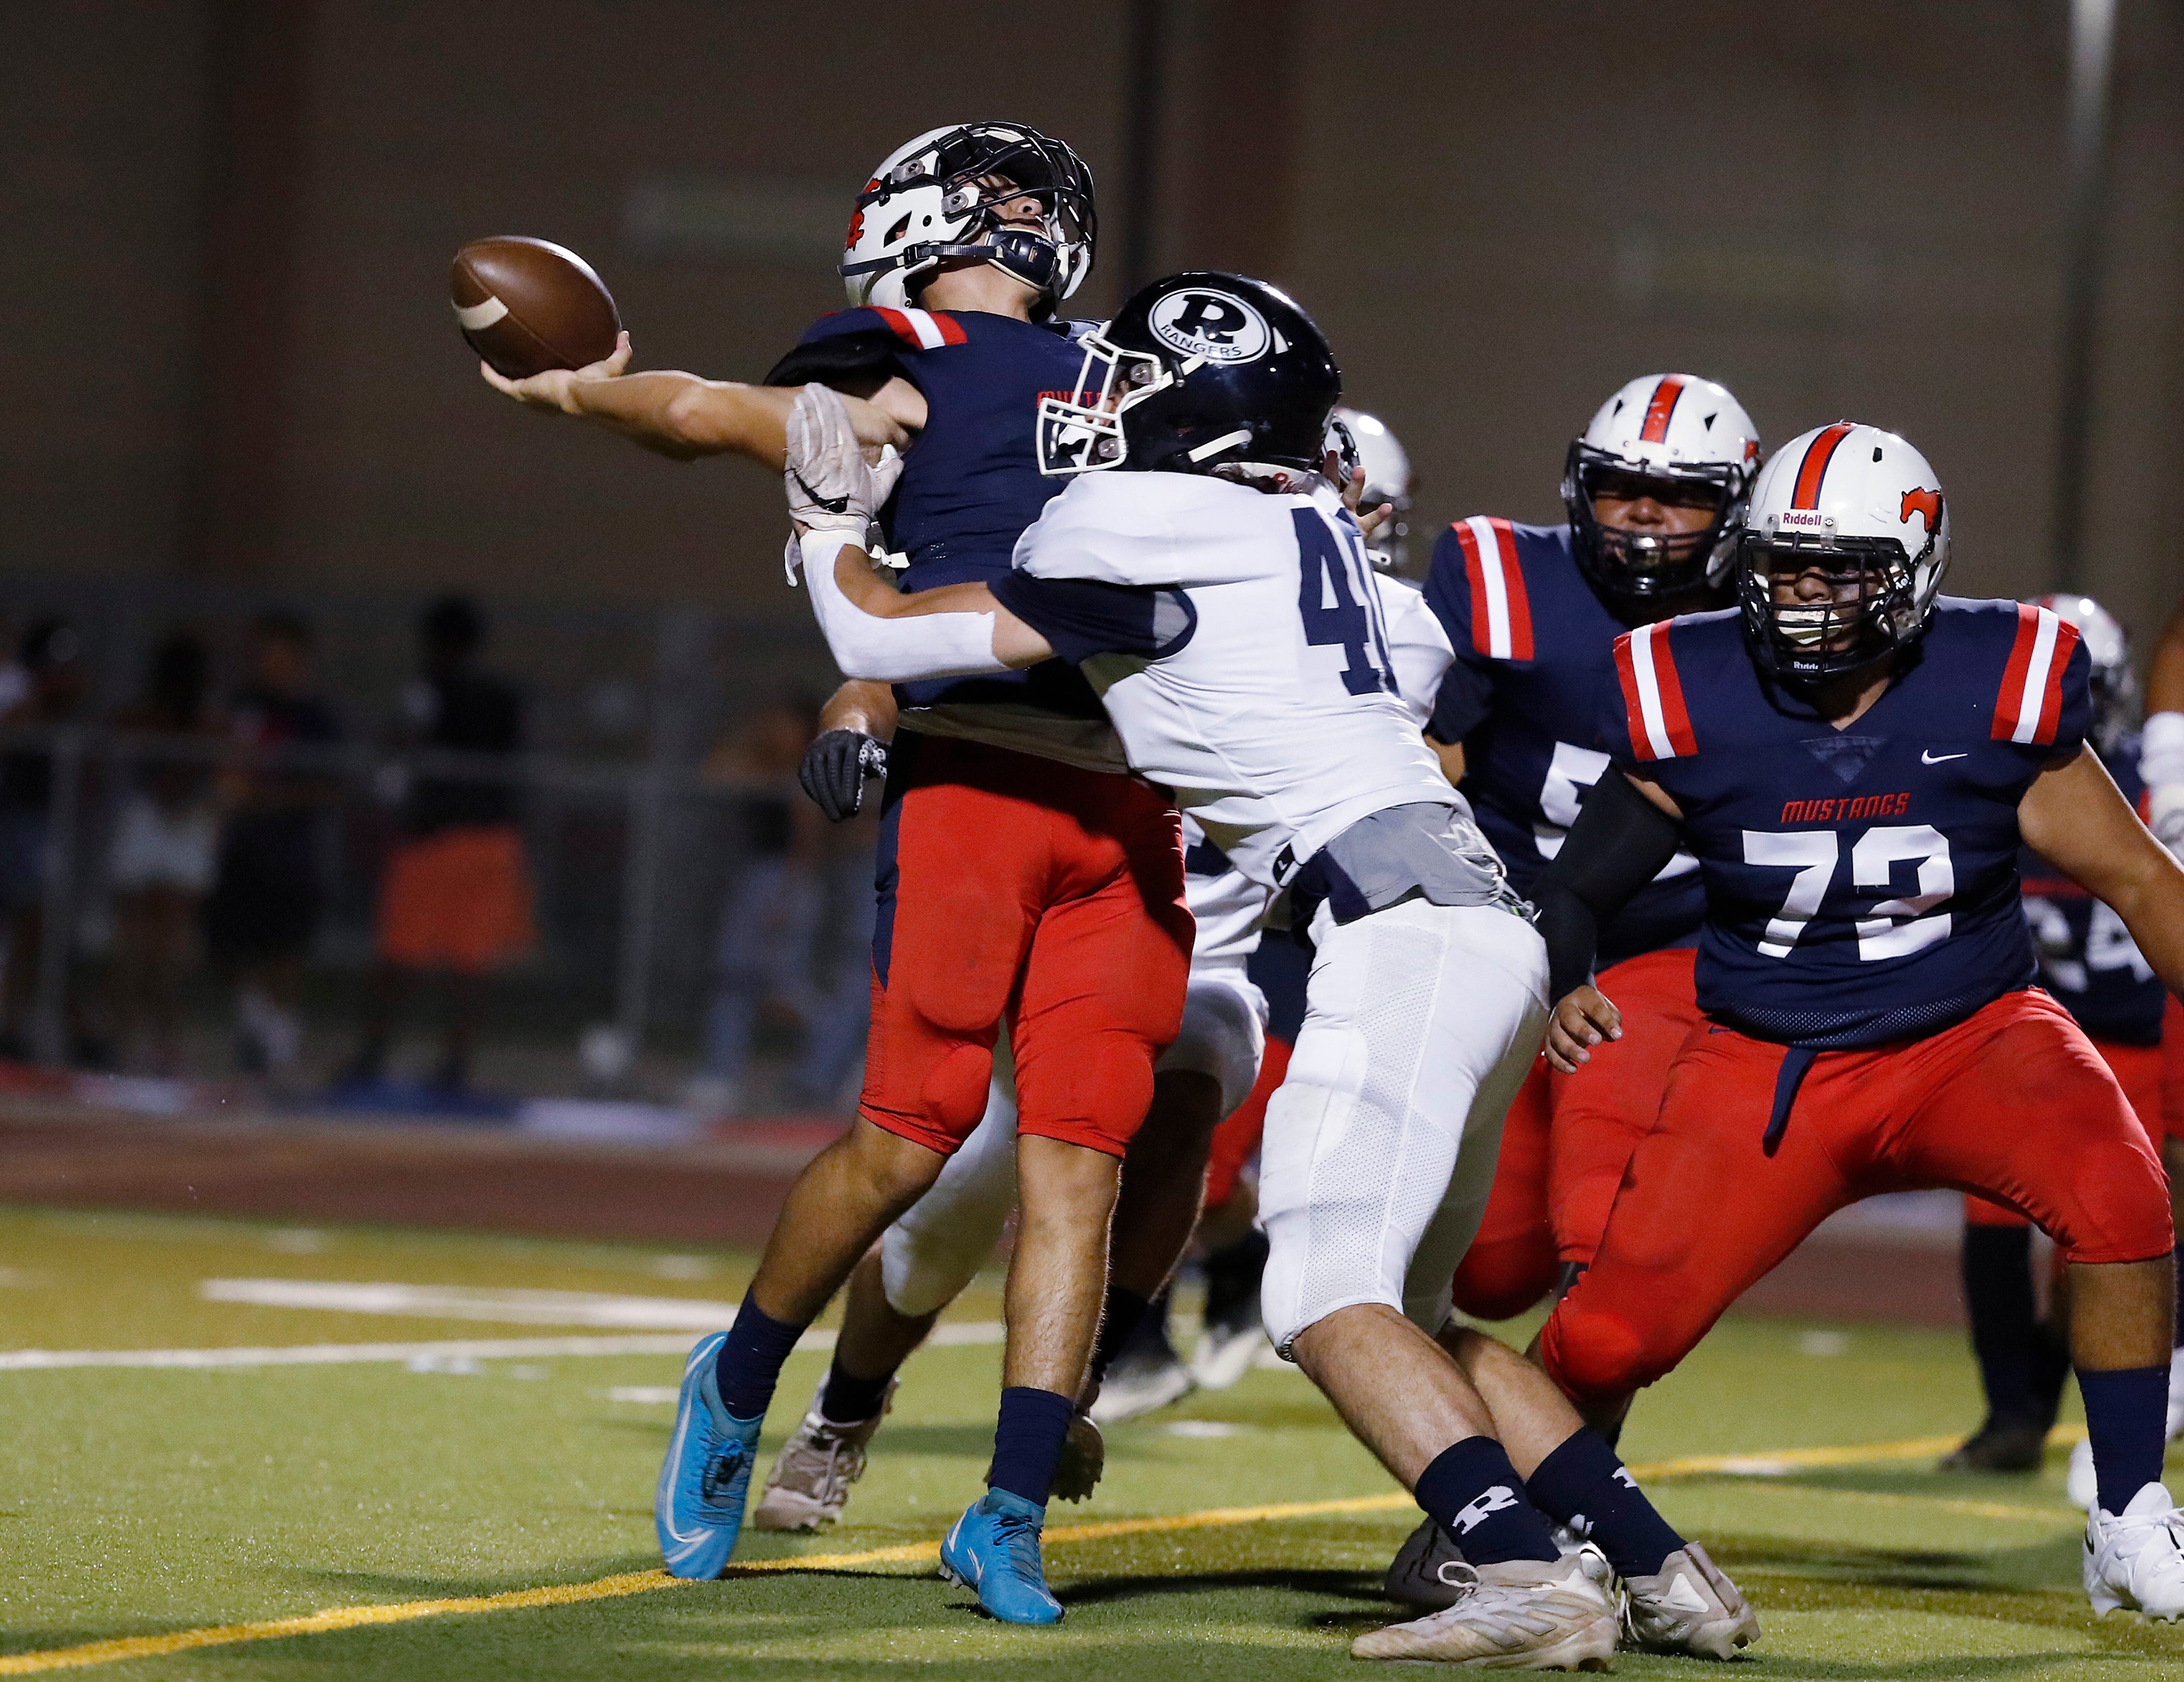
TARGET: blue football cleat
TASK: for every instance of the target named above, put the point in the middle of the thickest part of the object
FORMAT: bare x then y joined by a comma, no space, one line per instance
699,1507
994,1548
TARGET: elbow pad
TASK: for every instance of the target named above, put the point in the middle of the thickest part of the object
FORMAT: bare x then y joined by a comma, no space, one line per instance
892,650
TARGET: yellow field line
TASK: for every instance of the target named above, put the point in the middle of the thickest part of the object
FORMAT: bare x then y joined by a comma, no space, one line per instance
332,1619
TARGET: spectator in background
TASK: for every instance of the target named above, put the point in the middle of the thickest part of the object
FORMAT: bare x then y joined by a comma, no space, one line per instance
267,894
456,894
51,656
763,955
166,838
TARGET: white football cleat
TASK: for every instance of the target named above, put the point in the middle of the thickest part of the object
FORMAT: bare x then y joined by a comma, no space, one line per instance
2082,1485
810,1484
2135,1559
1523,1614
1139,1384
1688,1607
1226,1353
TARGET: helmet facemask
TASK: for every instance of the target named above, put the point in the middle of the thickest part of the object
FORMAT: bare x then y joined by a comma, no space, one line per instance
1877,601
1083,434
1642,576
976,169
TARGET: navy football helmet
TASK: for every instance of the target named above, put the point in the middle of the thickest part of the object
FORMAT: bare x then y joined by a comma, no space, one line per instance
1198,373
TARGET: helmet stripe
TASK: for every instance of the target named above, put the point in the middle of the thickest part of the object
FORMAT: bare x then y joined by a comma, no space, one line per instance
1813,468
1656,429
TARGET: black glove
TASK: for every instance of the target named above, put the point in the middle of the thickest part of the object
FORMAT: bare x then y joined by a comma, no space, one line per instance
834,769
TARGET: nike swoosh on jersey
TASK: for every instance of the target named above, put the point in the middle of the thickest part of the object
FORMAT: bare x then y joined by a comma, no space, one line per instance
1928,756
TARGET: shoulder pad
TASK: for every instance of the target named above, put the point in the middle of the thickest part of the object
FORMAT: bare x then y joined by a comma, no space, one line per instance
1653,717
1493,605
1158,528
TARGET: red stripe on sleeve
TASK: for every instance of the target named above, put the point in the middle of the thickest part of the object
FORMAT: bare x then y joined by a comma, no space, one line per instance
1813,468
1513,584
1482,633
951,330
1673,713
2051,697
1656,429
899,323
2011,697
1634,714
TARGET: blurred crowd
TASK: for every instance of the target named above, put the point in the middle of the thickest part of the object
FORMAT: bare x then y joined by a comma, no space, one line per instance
167,868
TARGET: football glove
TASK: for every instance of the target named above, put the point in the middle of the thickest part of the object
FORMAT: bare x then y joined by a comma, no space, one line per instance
830,487
834,769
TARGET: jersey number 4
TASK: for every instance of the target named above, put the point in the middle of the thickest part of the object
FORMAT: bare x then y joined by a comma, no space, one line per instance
1894,928
1339,605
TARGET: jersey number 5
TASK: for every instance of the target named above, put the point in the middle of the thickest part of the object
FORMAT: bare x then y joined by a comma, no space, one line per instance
1894,928
1339,605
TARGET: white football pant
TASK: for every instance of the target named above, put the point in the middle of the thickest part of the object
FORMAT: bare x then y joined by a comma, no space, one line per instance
1421,1021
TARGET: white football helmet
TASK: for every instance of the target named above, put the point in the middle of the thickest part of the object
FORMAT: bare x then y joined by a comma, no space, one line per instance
1363,440
2107,646
932,200
1862,510
1673,427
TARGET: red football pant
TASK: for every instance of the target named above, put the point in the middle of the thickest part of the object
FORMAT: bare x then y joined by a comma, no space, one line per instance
2140,1071
1017,889
2172,1072
2013,1102
1567,1138
1237,1137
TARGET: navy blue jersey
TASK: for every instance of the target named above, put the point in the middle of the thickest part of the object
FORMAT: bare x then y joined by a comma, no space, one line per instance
2087,958
971,483
1535,650
1861,883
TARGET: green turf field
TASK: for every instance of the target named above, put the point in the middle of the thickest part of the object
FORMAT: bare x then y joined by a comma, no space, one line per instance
143,1502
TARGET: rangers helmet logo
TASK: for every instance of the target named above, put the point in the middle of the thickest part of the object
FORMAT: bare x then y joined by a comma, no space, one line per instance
1214,324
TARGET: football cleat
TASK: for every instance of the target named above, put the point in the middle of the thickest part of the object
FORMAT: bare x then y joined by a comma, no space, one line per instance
1226,1352
1083,1458
1688,1607
699,1507
2135,1559
994,1550
1523,1614
810,1484
1428,1569
1998,1448
1141,1384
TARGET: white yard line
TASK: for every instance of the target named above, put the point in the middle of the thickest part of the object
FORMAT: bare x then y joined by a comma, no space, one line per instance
956,1335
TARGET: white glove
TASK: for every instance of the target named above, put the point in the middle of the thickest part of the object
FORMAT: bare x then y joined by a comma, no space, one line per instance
830,487
2161,768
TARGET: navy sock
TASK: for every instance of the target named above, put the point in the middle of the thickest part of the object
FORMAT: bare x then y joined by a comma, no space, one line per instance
2179,1321
748,1365
1473,1492
1998,1274
848,1399
1028,1441
1583,1485
2126,1419
1118,1324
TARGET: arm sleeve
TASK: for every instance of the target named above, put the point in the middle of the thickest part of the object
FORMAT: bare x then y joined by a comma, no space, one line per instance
1080,617
892,650
1620,842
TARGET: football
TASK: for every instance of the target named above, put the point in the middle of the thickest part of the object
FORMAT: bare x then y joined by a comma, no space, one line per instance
526,305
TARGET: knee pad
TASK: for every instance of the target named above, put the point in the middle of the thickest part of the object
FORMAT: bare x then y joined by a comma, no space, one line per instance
1594,1356
1500,1280
937,1246
1223,1035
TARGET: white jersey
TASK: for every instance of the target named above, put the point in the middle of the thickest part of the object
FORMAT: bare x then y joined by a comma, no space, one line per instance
1246,660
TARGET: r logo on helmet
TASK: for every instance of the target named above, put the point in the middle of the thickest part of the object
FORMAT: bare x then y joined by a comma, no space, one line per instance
1210,324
